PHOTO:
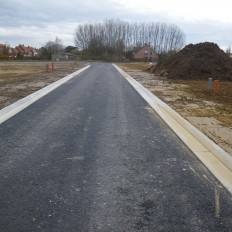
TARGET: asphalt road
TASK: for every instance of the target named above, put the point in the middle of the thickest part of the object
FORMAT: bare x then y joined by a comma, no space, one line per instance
93,156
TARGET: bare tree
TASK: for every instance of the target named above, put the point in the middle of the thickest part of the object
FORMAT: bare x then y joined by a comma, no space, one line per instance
228,51
55,46
115,37
51,47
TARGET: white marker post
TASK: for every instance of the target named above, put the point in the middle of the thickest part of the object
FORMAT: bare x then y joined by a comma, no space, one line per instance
210,84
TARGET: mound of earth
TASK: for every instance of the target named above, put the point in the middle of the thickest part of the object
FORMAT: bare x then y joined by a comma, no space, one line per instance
199,61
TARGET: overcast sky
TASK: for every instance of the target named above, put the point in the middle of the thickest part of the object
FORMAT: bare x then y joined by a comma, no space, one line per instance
34,22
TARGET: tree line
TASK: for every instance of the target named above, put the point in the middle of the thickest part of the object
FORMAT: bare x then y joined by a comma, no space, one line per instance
117,37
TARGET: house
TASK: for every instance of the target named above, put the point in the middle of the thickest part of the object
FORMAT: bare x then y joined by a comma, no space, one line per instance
6,52
3,51
13,53
65,56
26,51
146,54
2,47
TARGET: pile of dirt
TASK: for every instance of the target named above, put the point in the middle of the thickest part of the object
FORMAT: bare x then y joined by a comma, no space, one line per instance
199,61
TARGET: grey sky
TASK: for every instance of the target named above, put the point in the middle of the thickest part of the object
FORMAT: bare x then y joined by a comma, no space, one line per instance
34,22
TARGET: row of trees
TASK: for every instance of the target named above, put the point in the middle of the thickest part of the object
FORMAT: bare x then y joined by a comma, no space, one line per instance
116,37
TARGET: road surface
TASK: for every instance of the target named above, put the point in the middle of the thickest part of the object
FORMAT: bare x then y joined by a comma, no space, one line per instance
93,156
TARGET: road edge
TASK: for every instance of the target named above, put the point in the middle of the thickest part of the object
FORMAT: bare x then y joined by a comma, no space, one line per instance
211,155
13,109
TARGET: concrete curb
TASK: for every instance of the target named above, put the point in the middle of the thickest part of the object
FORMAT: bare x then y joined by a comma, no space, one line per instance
212,156
21,104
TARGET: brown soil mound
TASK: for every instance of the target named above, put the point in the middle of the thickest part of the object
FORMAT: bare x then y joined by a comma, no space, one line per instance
199,61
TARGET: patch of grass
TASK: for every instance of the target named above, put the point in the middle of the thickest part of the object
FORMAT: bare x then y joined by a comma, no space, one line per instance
17,70
141,66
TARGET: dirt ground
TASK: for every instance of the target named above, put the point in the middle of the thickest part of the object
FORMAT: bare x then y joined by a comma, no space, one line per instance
209,112
196,62
19,79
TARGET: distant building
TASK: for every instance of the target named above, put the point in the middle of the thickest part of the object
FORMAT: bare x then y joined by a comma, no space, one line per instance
26,51
2,50
146,54
13,53
6,52
65,56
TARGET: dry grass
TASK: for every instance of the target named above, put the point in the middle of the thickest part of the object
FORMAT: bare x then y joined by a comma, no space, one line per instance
16,70
135,66
200,89
222,109
19,79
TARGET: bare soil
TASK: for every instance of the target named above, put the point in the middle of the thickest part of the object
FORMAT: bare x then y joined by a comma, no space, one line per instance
209,112
196,62
19,79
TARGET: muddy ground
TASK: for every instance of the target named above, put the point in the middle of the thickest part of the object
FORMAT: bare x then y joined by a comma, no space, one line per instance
209,112
19,79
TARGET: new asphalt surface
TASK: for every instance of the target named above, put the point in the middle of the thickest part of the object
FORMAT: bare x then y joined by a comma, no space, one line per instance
93,156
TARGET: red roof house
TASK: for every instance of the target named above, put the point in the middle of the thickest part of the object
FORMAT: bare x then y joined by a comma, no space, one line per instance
26,51
146,54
